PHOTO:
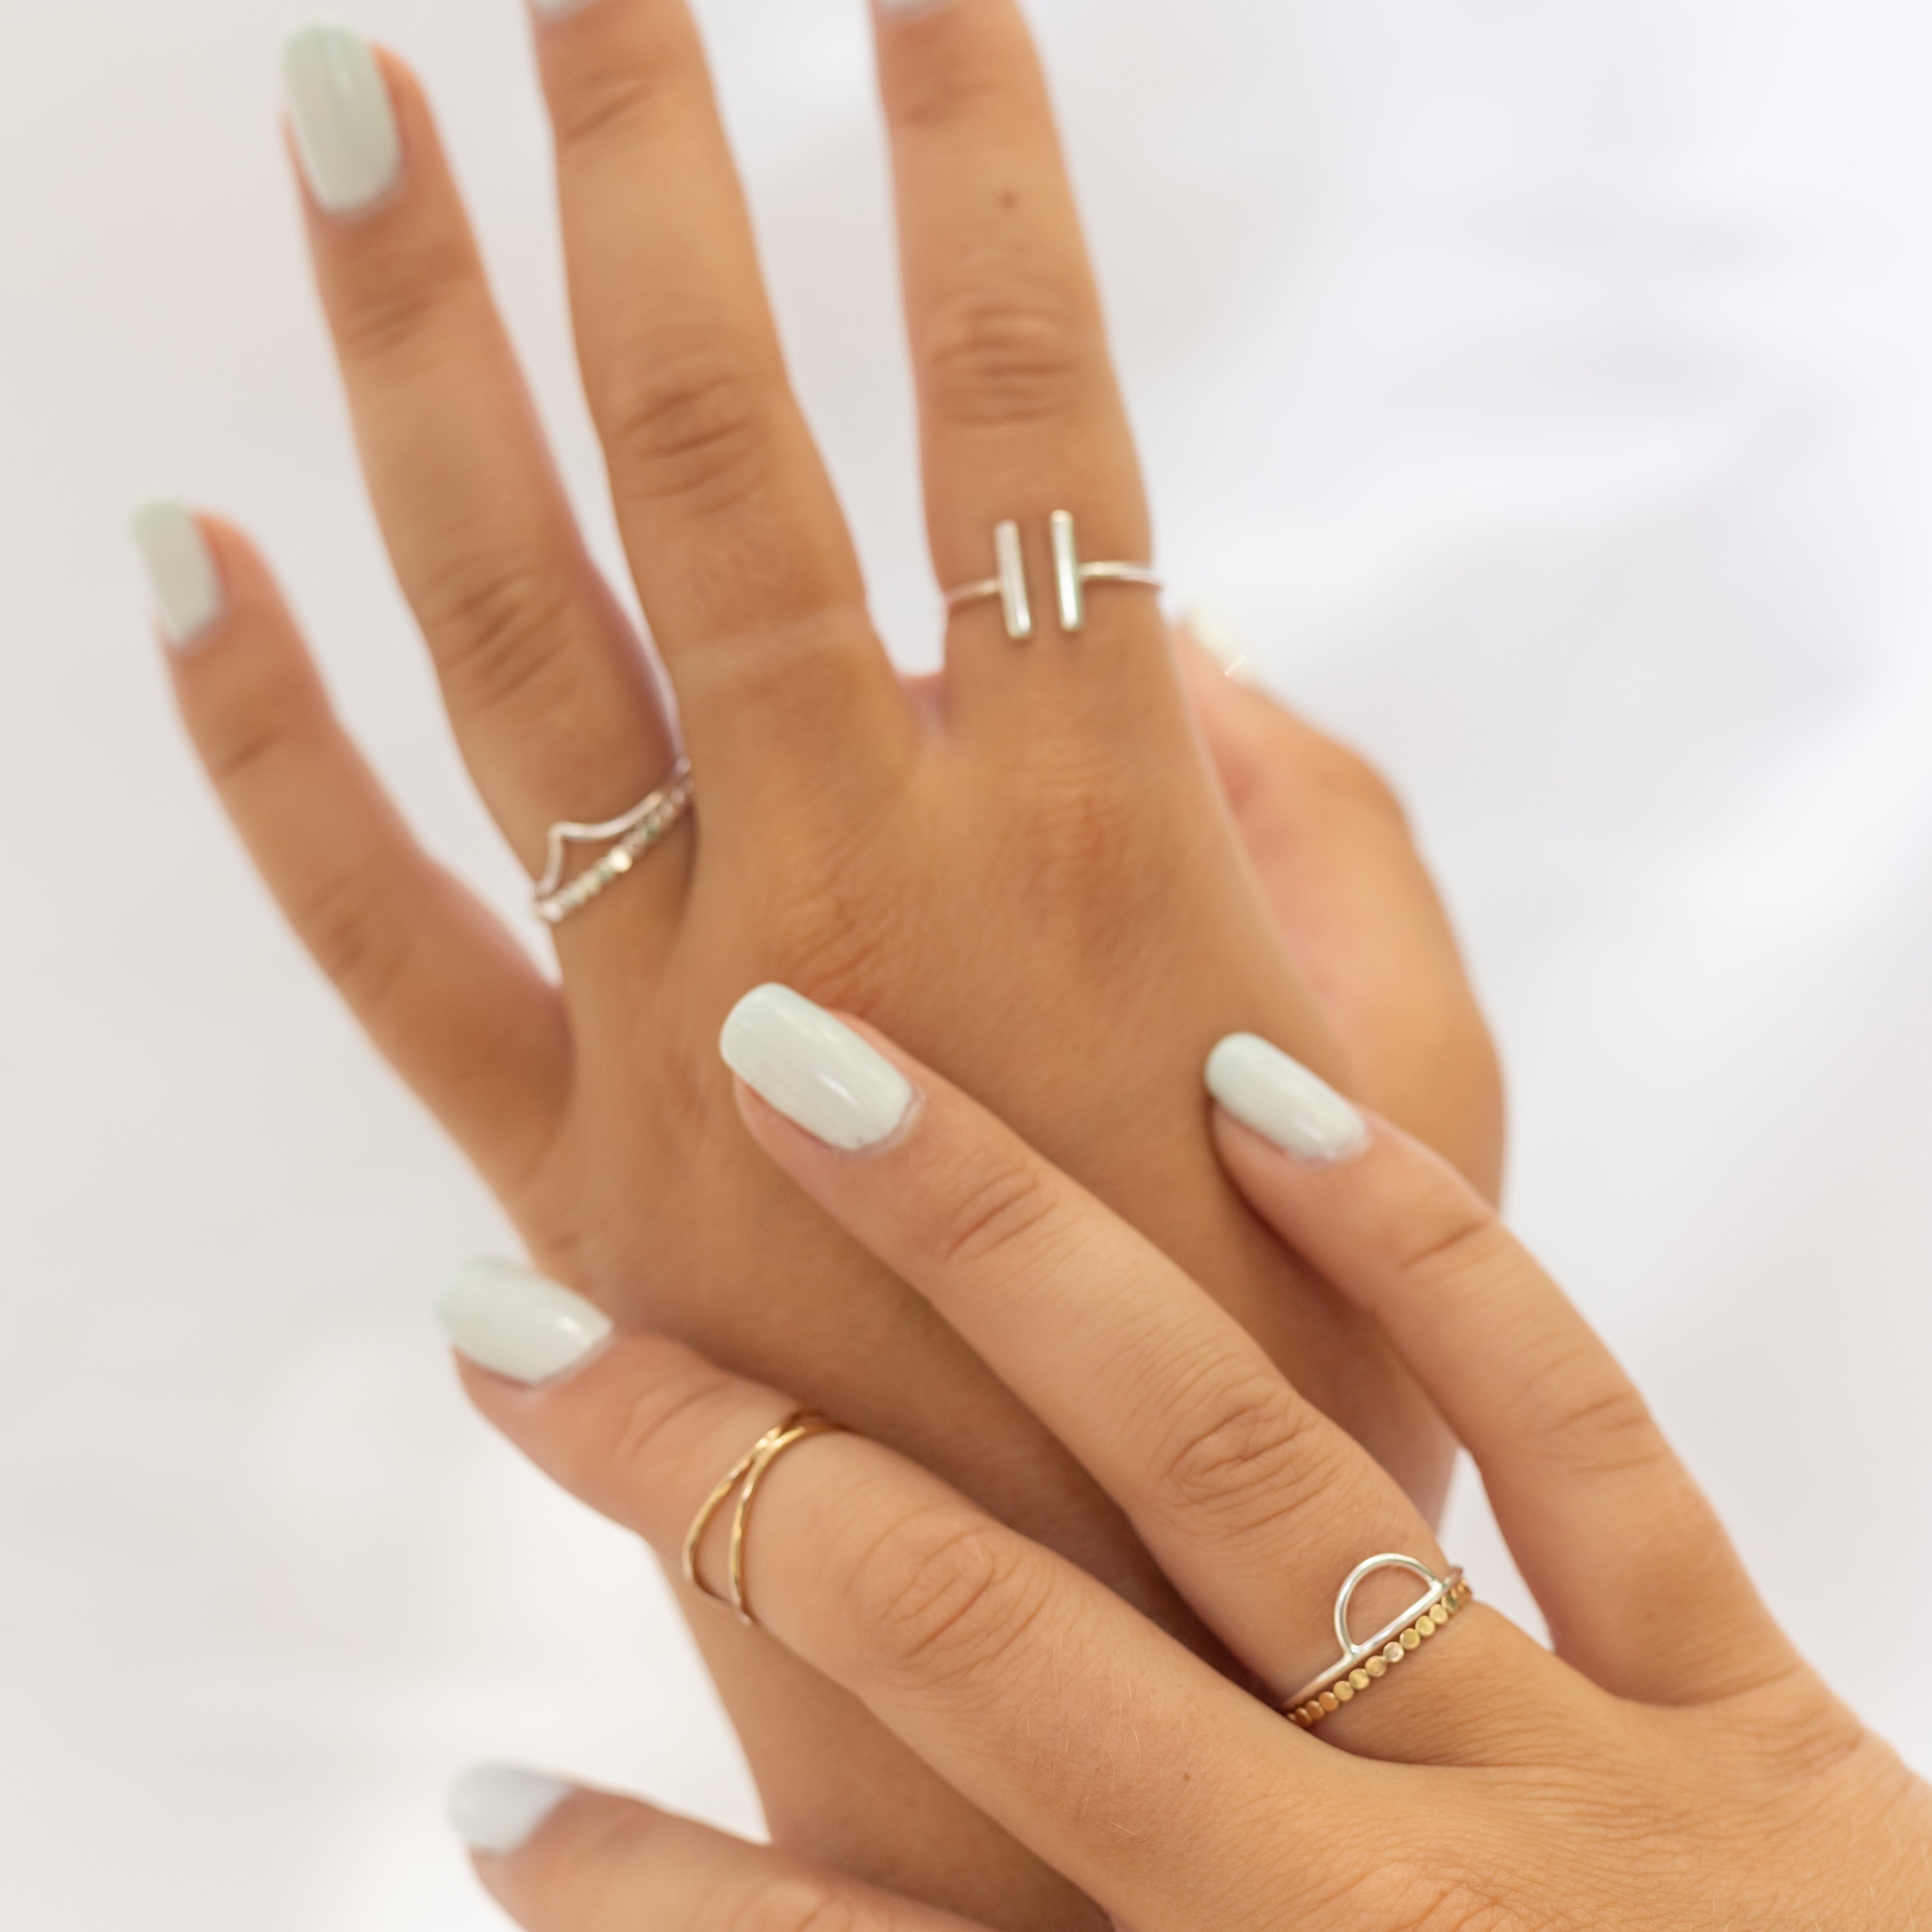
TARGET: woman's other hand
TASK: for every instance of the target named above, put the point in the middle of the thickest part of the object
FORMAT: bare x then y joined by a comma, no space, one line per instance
1674,1765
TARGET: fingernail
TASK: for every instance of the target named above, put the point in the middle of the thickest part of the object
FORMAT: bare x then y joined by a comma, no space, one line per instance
181,569
345,127
1221,638
496,1807
815,1069
1284,1102
516,1323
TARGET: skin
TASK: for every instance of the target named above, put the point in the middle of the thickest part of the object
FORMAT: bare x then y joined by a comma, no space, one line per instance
1674,1764
1024,869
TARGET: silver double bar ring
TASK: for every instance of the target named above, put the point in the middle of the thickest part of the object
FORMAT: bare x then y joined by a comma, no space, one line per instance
1070,579
634,834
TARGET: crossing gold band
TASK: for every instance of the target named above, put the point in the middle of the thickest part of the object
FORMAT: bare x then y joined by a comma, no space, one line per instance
745,1477
1363,1664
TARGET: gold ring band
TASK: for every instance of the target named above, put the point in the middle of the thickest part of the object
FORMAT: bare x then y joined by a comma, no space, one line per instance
745,1476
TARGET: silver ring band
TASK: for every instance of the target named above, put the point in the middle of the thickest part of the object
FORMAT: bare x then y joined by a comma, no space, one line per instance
635,832
1070,579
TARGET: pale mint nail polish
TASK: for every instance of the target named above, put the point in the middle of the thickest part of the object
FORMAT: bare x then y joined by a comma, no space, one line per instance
181,575
516,1323
1283,1102
345,127
815,1069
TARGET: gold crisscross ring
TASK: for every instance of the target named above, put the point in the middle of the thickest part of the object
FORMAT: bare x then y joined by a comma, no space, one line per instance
745,1477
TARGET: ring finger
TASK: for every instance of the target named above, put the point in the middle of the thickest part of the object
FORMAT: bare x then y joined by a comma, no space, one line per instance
547,687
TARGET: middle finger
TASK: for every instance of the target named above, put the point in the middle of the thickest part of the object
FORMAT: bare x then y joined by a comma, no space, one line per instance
741,556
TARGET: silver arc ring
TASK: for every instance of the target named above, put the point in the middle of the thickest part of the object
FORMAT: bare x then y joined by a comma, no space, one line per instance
634,833
1070,579
1361,1663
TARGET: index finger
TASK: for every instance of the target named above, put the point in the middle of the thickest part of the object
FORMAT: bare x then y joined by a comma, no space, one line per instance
1030,1688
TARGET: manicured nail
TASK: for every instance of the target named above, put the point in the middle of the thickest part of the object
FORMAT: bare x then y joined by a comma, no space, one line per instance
181,571
1221,639
345,127
513,1322
496,1808
1284,1102
815,1069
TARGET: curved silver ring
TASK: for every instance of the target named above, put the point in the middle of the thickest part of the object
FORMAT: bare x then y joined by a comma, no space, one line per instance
1070,579
1354,1653
635,832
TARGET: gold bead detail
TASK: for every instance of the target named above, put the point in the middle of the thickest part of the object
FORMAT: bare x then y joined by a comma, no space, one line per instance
1360,1679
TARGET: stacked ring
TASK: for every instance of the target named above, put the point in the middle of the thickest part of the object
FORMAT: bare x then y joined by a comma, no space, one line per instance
1362,1665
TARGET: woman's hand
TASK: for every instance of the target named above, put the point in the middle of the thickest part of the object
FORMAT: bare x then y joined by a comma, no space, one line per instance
1674,1765
1026,873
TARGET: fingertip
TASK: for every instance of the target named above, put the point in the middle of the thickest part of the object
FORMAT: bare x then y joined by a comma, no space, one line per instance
496,1809
185,578
1290,1106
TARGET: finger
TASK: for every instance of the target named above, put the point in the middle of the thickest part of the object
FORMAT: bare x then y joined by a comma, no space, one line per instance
1027,1685
740,554
442,990
1248,1497
1642,1590
548,690
1020,414
1352,895
560,1858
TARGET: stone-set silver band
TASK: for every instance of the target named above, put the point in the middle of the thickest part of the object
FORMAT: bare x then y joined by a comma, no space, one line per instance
1070,579
635,832
1354,1654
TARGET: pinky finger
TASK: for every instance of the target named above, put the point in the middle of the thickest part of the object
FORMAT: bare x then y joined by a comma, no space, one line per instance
559,1858
441,990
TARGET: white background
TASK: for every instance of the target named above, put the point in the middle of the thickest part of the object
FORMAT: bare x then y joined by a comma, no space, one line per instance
1542,388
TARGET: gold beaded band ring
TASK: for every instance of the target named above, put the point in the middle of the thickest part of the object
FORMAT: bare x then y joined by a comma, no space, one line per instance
639,828
1361,1664
745,1475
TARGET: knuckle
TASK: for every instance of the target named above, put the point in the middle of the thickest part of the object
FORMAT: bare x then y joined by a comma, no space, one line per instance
992,357
1244,1455
688,422
655,1413
997,1204
1590,1417
794,1903
402,301
496,624
356,938
1448,1233
599,103
942,1597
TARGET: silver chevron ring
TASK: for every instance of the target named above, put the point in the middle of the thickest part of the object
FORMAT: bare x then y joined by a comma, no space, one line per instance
634,833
